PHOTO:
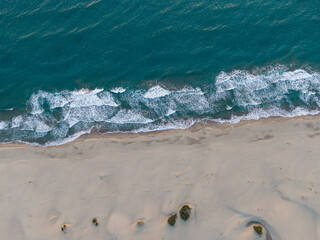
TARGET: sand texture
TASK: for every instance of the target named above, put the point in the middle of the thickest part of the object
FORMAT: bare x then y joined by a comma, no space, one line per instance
265,172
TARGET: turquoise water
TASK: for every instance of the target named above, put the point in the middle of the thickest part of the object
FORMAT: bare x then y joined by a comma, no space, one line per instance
70,67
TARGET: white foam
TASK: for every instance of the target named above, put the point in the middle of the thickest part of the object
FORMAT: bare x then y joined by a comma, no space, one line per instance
298,74
259,113
92,99
170,112
37,100
31,123
267,87
178,124
79,98
4,124
244,81
118,90
240,80
87,114
16,122
129,116
190,91
194,101
67,139
34,124
156,92
71,121
60,141
85,91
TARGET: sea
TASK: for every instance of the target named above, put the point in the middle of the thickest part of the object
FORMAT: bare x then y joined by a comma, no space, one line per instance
72,67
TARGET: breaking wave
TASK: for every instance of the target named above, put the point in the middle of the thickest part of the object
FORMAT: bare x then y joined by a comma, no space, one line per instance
56,118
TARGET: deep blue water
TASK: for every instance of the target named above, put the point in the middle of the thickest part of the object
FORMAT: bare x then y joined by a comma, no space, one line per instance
67,67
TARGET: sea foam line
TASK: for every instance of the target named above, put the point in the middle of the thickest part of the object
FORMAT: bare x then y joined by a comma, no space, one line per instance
239,95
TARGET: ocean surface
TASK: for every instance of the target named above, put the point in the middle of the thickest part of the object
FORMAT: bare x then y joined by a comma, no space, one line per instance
70,67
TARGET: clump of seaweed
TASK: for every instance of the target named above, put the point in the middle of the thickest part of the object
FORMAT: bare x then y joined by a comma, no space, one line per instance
258,229
95,221
185,212
172,219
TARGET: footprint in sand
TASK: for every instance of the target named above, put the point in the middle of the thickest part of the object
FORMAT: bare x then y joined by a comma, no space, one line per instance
54,215
249,227
138,225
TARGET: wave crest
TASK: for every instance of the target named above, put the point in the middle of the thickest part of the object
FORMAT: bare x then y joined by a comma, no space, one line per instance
54,118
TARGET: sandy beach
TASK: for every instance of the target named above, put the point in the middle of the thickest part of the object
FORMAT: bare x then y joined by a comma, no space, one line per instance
265,171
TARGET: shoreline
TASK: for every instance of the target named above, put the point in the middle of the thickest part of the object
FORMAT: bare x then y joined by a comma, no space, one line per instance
195,127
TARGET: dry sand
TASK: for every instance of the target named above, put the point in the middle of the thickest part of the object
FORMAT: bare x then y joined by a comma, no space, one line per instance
266,171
